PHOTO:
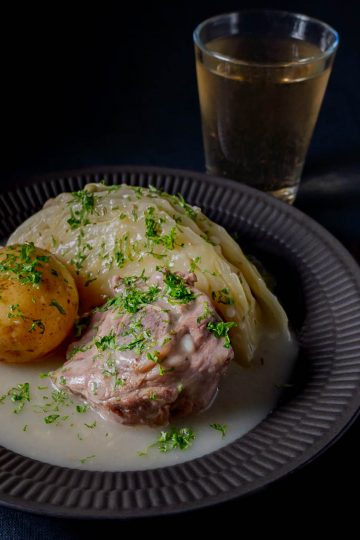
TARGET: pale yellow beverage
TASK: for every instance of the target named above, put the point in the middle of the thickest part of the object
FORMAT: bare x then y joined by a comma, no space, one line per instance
260,98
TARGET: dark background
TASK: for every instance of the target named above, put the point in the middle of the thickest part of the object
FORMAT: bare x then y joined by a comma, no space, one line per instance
110,85
115,84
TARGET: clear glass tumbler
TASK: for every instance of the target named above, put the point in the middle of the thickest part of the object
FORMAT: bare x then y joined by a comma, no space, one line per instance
261,77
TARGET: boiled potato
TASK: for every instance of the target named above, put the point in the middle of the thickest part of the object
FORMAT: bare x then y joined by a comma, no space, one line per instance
38,302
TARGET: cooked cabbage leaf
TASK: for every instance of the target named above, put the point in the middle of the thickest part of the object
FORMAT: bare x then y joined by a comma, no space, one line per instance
108,231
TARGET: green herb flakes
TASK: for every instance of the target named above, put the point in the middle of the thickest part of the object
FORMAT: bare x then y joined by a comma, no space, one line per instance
175,439
172,439
154,232
58,306
222,428
194,264
206,313
19,395
37,324
221,329
177,289
87,458
222,296
15,312
106,342
51,418
82,205
81,408
24,265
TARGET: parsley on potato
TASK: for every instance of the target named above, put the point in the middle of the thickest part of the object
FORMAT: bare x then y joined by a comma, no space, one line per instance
38,302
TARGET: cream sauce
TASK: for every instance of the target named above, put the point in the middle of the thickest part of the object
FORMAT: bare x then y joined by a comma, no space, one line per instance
245,398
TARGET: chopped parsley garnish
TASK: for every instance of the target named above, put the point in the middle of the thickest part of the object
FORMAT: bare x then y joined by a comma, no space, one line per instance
168,240
153,227
53,405
220,427
37,323
177,289
83,204
206,313
133,299
23,265
87,458
222,296
175,439
106,342
60,396
82,251
172,439
74,350
131,280
109,367
19,395
138,344
189,210
134,212
15,312
221,329
119,258
58,306
91,426
194,264
51,418
81,408
175,199
153,231
154,357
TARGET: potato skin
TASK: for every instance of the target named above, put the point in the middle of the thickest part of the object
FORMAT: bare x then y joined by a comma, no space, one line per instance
34,317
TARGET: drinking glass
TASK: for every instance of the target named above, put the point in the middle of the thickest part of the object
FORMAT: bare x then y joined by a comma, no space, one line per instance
261,78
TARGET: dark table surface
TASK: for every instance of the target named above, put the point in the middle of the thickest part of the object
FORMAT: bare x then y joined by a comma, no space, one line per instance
111,87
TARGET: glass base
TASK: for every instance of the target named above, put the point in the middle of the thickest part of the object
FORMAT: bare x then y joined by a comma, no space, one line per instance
287,194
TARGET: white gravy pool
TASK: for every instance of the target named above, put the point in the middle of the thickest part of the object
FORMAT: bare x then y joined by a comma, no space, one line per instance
245,397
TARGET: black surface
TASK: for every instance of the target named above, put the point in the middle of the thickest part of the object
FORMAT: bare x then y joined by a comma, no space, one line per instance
116,85
111,85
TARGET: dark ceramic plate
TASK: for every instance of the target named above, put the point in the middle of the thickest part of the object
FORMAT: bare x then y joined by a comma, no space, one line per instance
319,285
